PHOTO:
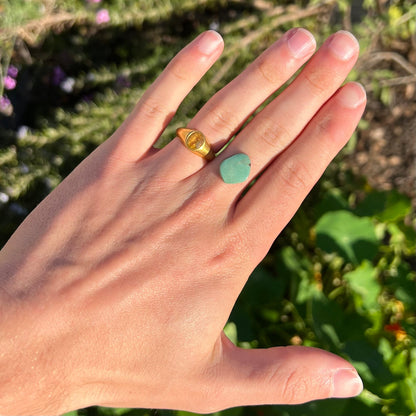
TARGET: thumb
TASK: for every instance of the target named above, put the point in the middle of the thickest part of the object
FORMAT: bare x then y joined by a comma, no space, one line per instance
283,375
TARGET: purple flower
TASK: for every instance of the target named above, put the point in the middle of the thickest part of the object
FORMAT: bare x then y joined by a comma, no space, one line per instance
12,71
9,83
58,75
102,16
6,106
4,103
93,1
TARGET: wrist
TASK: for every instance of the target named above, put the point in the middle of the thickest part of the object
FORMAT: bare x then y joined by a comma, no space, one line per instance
28,386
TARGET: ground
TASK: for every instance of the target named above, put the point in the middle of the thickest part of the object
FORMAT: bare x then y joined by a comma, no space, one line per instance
386,148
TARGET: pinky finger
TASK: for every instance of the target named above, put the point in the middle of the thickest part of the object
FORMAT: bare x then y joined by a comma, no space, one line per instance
278,193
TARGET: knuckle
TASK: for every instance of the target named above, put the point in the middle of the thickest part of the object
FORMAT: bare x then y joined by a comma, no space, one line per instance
178,69
222,120
314,81
294,387
152,108
321,126
275,135
294,175
233,248
232,251
323,131
267,71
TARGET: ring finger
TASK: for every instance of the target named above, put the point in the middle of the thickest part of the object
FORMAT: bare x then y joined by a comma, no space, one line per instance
226,111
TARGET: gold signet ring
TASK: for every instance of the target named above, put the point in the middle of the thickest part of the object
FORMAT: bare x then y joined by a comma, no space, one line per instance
196,142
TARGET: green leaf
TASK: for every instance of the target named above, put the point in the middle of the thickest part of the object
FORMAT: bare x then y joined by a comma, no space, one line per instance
327,317
385,349
403,284
370,364
333,200
352,237
306,290
262,290
398,365
295,272
264,287
231,331
363,282
386,206
332,407
411,381
333,325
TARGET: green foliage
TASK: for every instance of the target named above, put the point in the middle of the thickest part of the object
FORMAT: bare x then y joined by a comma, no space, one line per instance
354,238
341,276
356,302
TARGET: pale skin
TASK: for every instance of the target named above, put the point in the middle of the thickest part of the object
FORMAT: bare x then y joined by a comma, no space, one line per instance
116,288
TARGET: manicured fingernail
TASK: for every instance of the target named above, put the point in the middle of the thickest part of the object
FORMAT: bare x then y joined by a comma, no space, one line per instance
346,383
352,95
208,42
301,43
343,45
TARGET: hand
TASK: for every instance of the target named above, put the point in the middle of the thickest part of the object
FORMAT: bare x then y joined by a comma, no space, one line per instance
116,288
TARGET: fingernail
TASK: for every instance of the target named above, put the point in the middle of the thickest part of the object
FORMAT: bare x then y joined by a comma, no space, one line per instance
301,43
346,383
343,45
352,95
208,42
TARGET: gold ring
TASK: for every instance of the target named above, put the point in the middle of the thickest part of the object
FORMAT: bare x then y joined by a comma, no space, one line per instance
196,142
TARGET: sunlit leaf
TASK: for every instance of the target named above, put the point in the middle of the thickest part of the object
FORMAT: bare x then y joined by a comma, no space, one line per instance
370,364
295,271
352,237
231,331
363,282
385,206
327,319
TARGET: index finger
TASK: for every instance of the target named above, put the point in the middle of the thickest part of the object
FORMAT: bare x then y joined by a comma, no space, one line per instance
161,100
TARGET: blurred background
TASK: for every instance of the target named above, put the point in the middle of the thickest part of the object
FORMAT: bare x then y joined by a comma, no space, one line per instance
342,274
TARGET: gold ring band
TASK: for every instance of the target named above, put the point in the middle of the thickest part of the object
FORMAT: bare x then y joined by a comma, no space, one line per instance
196,142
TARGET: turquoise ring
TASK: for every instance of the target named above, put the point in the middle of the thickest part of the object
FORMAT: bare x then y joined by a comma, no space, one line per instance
235,169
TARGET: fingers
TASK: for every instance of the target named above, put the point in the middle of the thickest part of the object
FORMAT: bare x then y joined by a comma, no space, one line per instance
281,121
277,194
160,102
282,375
226,112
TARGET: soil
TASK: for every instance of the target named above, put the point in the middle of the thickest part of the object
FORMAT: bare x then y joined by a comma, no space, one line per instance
385,152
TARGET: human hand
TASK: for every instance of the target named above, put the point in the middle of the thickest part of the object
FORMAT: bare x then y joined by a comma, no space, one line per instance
116,288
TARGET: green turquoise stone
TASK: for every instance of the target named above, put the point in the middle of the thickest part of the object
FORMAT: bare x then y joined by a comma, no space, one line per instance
235,169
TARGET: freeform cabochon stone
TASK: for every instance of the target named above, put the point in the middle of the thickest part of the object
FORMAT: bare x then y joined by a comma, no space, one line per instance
236,168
